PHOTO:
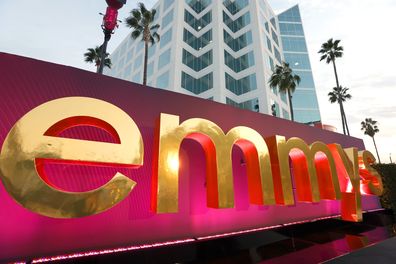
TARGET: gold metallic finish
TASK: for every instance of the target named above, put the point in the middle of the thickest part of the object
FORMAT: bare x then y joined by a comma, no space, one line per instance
351,204
218,150
281,170
305,169
351,164
375,181
256,151
27,143
333,191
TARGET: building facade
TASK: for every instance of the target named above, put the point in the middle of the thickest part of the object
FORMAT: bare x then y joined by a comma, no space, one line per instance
223,51
305,103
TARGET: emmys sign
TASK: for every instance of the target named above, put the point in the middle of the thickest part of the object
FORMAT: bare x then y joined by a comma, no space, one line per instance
90,162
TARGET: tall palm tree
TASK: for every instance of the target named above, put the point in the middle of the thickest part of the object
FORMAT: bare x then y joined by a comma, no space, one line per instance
286,82
340,95
94,56
369,126
141,21
330,50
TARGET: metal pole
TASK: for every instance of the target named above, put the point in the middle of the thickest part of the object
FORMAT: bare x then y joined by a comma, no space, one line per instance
103,49
108,26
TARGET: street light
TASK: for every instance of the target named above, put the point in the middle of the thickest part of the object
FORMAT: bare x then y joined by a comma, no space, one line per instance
108,26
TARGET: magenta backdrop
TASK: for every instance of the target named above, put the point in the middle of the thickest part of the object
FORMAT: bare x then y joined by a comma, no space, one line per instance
26,83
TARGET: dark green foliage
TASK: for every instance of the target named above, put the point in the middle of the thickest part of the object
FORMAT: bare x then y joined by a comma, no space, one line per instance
388,173
285,81
141,20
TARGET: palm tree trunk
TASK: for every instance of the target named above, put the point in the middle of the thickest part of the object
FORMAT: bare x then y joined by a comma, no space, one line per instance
335,73
344,120
376,150
340,102
291,105
103,49
342,116
145,62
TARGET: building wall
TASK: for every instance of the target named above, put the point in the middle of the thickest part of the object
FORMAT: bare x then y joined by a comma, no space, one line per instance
219,50
305,102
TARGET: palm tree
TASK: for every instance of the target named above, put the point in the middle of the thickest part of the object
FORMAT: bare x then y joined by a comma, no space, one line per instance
340,95
141,21
286,82
330,51
369,126
94,56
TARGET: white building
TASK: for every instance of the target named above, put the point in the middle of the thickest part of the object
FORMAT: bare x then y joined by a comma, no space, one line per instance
219,50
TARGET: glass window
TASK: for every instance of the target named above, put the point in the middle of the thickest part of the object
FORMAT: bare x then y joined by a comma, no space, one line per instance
234,6
240,42
291,29
241,86
127,71
139,46
283,96
291,15
306,79
267,27
197,43
305,99
138,62
166,38
275,37
277,55
285,114
163,80
298,61
269,44
164,59
198,5
251,105
197,86
157,15
197,63
294,44
275,111
167,4
238,24
137,78
151,50
129,56
197,24
114,56
271,64
123,48
121,62
167,19
150,69
241,63
273,22
306,115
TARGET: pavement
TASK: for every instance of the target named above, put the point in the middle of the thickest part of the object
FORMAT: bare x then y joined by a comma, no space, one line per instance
382,252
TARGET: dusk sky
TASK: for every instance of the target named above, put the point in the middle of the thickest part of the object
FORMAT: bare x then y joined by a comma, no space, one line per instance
61,31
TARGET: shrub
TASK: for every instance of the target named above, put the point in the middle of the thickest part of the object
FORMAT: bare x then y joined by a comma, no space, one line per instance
388,173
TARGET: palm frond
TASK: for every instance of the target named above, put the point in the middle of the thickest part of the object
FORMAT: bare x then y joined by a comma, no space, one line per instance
93,55
136,33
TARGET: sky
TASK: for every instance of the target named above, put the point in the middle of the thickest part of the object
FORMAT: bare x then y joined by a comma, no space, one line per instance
61,31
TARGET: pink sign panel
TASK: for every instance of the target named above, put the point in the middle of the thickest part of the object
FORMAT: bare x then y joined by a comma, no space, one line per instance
27,83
